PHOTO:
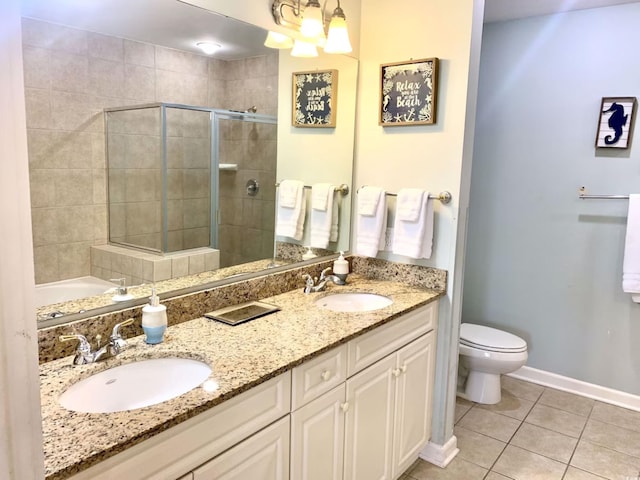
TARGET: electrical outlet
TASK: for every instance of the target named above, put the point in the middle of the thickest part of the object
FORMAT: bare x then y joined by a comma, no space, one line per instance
388,239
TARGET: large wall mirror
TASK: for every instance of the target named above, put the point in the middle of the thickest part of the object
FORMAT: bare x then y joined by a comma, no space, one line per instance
156,163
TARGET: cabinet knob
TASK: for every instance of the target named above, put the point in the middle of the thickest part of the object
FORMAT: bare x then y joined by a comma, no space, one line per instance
326,375
344,407
403,368
396,372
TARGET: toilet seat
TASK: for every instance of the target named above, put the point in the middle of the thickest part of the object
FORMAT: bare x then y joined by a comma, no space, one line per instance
490,339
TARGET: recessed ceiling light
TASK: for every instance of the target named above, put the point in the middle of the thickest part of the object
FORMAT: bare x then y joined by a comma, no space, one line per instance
209,47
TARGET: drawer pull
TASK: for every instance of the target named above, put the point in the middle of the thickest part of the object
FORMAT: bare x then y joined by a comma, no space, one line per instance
326,375
344,407
403,368
396,372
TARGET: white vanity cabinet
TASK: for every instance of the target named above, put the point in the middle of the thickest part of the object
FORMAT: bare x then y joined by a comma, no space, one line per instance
374,424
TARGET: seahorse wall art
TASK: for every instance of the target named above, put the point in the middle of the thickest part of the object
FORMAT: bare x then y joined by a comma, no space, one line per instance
617,120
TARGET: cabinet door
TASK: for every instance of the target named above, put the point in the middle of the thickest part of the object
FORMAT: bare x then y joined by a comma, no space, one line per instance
369,428
317,437
412,425
264,456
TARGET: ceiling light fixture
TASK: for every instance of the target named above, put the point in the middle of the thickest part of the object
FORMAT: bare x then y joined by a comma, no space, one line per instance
209,47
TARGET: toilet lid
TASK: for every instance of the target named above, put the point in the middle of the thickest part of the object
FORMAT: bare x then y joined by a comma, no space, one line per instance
487,338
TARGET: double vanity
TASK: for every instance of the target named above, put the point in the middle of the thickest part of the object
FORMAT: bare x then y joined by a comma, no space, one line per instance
328,387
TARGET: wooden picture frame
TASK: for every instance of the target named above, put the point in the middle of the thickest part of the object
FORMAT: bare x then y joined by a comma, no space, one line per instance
315,95
615,122
408,93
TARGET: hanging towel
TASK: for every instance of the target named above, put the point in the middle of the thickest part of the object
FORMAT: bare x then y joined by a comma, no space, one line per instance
414,238
371,227
409,204
290,220
335,220
322,214
631,262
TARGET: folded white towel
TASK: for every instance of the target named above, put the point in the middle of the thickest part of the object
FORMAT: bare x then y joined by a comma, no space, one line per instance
414,238
371,228
320,196
368,198
290,221
409,204
288,193
322,221
631,262
335,220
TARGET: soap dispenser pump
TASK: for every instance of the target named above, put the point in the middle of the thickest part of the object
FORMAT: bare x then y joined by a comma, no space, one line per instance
308,255
341,267
154,319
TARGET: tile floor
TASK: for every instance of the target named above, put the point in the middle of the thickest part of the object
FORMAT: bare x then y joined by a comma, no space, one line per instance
539,433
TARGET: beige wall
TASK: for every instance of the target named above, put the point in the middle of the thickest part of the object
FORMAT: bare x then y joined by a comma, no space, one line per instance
70,76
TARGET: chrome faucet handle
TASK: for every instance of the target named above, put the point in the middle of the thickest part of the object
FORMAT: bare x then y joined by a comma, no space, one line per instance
308,283
324,273
83,352
116,340
121,289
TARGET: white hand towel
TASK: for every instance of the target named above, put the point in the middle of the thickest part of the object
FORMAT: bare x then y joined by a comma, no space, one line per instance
290,221
409,204
320,196
414,239
368,198
371,228
335,220
631,262
288,193
321,220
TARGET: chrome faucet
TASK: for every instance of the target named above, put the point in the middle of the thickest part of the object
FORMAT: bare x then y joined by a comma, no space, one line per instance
315,285
113,347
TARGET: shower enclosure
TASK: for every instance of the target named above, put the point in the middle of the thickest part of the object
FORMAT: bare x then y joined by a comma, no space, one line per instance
177,179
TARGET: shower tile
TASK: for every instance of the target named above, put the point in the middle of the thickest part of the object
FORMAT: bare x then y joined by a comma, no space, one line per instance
75,224
197,153
139,83
197,213
196,237
175,184
46,263
217,69
175,241
98,152
170,87
142,151
105,47
99,186
74,260
162,270
68,39
100,224
139,53
216,92
175,214
74,112
106,78
179,266
37,67
175,152
197,124
69,72
141,185
212,260
272,62
256,66
196,183
38,108
236,69
142,218
36,33
196,263
195,90
42,188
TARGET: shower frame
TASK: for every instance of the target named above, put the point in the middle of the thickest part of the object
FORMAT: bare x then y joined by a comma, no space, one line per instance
215,115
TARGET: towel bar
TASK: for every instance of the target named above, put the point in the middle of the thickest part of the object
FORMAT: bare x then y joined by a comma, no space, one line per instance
583,196
342,189
445,197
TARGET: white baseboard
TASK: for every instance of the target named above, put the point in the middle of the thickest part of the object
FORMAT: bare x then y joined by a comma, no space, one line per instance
440,455
571,385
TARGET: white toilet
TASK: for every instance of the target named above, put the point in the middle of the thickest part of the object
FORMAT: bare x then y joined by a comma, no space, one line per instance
485,354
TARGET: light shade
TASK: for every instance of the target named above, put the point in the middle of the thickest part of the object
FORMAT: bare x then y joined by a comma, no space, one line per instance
278,40
312,26
338,39
303,49
209,47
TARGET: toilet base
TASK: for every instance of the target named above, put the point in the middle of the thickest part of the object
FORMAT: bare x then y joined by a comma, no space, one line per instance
482,387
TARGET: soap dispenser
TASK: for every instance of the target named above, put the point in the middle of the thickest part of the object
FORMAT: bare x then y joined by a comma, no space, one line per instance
122,295
308,255
154,319
341,267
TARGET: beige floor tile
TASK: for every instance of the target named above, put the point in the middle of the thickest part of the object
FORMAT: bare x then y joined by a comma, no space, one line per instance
477,448
511,406
575,474
605,462
521,464
567,402
522,389
458,469
556,420
491,424
462,407
613,437
622,417
496,476
545,442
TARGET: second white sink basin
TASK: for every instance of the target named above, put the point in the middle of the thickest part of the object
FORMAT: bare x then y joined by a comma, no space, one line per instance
354,302
135,385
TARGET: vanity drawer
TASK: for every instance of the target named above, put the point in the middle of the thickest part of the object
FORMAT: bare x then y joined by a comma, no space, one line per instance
317,376
380,342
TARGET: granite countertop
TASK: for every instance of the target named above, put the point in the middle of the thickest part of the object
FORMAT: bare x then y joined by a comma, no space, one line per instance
239,356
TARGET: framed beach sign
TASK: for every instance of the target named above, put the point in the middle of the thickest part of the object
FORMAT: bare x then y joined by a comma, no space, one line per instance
615,124
314,98
408,92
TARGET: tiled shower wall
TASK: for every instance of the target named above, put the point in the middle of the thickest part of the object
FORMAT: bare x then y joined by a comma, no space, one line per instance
70,76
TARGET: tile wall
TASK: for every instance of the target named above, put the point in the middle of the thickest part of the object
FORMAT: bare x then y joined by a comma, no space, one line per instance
70,76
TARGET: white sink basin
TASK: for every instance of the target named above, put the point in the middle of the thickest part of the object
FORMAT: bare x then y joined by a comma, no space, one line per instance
354,302
135,385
